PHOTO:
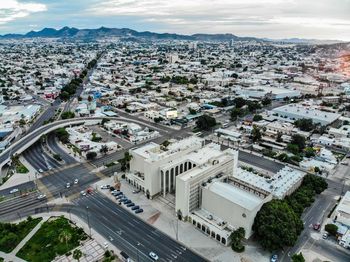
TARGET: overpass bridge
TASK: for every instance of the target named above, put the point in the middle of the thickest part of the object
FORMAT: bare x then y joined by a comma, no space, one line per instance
30,138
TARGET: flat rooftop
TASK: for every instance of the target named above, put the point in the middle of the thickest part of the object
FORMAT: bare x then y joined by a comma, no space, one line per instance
235,195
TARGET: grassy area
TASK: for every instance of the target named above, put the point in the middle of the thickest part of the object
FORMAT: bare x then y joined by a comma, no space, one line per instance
12,234
20,168
56,237
1,259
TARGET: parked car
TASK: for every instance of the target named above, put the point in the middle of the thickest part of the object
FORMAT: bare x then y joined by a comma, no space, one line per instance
130,204
41,196
274,258
140,210
154,256
111,188
127,202
114,192
118,193
123,200
135,207
325,235
105,187
40,170
15,190
136,191
76,181
119,196
68,185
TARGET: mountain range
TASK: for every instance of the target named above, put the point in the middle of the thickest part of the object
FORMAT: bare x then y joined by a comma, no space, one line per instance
71,32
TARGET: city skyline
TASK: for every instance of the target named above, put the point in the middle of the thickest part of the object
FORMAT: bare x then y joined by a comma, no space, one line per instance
274,19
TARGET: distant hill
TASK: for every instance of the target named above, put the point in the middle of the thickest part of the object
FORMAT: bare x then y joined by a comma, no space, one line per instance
71,32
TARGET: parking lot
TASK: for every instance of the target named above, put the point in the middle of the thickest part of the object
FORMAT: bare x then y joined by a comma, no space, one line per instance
160,213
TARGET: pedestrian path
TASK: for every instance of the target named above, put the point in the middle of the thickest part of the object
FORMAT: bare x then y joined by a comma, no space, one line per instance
29,236
9,257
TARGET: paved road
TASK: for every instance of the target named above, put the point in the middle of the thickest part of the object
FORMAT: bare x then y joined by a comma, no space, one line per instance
39,159
24,187
127,231
318,212
52,143
260,162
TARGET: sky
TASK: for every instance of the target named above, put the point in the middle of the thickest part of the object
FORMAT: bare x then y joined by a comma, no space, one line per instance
277,19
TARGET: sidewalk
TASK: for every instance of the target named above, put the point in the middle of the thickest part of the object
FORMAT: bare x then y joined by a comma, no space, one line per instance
29,236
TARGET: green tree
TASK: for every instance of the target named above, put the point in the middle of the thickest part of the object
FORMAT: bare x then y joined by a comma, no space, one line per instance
256,134
309,152
257,117
239,102
331,229
192,111
104,149
236,112
205,122
62,135
294,149
67,115
236,240
298,140
91,155
304,124
298,257
276,225
125,161
77,254
266,101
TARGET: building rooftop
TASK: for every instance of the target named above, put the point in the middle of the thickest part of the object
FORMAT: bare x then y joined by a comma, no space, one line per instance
236,195
278,185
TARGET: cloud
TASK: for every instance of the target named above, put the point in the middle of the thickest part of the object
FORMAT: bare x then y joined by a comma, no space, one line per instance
266,17
13,9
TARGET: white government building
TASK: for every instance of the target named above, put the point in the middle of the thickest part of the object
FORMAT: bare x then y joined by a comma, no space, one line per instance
209,192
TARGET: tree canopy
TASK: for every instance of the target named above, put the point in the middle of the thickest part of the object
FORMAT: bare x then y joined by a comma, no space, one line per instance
205,122
276,225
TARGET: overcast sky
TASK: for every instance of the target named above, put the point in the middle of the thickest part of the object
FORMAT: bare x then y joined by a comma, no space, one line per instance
320,19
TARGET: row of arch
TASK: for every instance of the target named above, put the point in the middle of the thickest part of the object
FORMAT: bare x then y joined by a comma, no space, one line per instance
212,234
168,177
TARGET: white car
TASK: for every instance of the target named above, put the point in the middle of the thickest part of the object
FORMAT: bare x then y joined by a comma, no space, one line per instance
83,193
105,187
40,170
15,190
154,256
68,185
42,196
76,181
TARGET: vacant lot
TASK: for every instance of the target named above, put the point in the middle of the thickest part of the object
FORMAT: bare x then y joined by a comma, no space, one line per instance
12,234
56,237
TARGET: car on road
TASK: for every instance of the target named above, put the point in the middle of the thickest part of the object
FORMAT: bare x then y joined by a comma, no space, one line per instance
153,255
68,185
135,207
83,193
130,204
41,196
274,258
49,167
15,190
316,226
140,210
105,186
76,181
325,235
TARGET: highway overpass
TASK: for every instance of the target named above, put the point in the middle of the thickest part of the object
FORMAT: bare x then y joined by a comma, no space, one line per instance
29,139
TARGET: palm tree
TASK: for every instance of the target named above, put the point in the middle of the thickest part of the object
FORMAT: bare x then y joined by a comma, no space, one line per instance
65,236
